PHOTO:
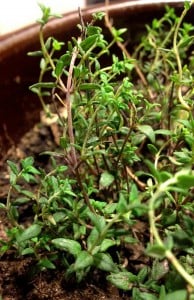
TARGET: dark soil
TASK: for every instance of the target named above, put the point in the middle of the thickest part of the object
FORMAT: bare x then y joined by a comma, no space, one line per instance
17,283
18,280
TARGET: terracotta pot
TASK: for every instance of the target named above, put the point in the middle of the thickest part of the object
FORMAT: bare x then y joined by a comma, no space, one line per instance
20,108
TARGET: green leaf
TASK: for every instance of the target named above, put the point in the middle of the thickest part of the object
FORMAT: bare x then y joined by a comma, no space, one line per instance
2,206
32,170
122,206
57,45
156,251
13,167
98,221
89,86
21,200
35,53
153,170
26,162
159,269
187,5
148,131
122,280
71,246
93,236
89,42
48,43
110,208
38,85
162,295
163,132
59,216
133,196
62,62
35,91
79,231
143,273
152,148
121,31
117,33
185,181
179,294
104,262
29,233
28,177
106,179
61,169
12,179
27,251
98,204
98,15
43,64
45,14
59,68
13,212
27,193
91,30
63,142
46,263
155,24
83,261
107,243
147,296
164,176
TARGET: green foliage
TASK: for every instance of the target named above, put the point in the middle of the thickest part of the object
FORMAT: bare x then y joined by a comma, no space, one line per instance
128,153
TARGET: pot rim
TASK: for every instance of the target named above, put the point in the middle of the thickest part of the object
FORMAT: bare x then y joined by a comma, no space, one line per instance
19,40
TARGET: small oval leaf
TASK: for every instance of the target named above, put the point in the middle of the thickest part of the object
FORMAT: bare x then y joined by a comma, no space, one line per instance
68,245
29,233
122,280
148,131
83,261
106,179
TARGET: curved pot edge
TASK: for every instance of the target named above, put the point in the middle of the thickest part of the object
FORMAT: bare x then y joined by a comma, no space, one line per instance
19,40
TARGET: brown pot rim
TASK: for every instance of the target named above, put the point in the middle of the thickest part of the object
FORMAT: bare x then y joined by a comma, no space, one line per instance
19,40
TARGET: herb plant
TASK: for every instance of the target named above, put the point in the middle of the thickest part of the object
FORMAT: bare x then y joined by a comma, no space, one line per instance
126,158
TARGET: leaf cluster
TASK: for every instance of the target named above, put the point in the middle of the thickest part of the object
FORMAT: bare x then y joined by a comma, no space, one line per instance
127,149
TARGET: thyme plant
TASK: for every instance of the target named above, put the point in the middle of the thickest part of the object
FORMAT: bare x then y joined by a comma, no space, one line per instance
127,152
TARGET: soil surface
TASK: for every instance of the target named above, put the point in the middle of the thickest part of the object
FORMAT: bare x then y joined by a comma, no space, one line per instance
17,279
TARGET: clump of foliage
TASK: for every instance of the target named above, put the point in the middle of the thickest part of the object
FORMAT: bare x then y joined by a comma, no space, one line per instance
127,145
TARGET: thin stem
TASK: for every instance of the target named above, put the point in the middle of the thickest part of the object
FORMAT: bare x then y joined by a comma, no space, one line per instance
66,90
84,193
89,130
179,65
125,51
154,231
49,59
170,106
8,200
69,111
123,146
179,267
158,49
140,184
103,233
